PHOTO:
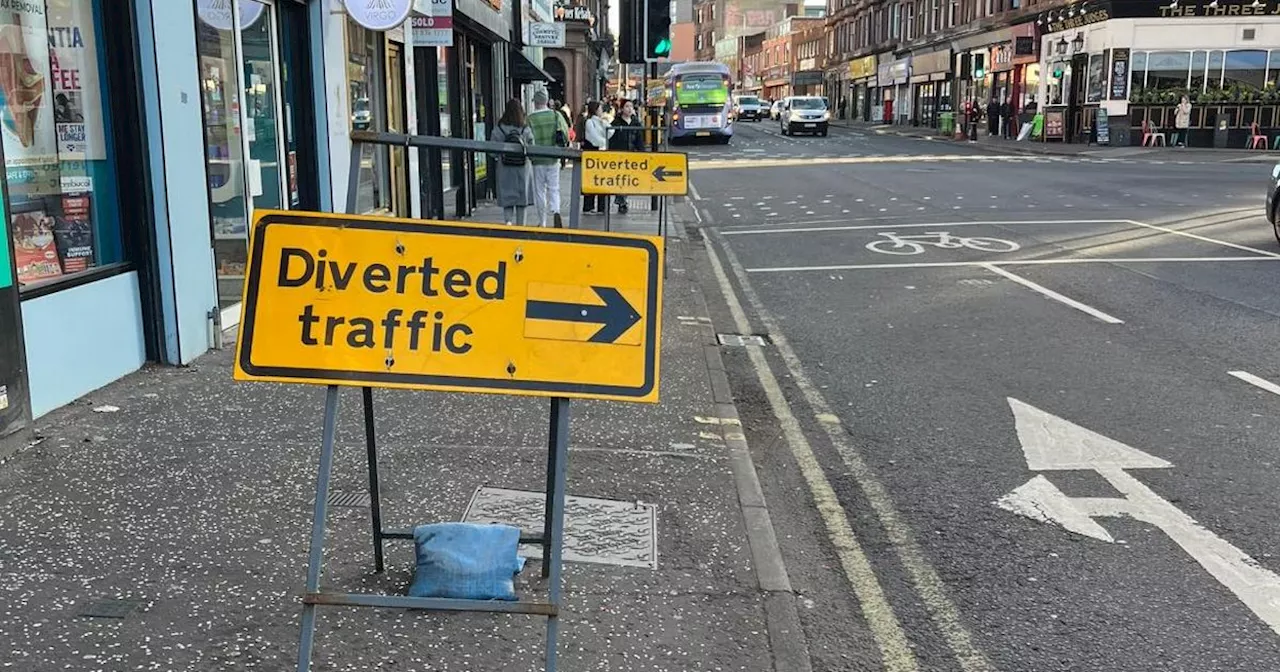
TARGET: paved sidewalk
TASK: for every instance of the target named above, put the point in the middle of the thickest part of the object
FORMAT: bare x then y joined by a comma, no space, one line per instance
998,144
192,504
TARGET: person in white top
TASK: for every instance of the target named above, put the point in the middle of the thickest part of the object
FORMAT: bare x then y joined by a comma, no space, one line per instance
596,137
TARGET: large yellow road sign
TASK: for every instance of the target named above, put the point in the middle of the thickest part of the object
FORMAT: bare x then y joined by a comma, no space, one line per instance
635,173
348,300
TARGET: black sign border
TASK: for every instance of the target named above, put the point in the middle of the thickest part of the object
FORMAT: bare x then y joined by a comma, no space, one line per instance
479,385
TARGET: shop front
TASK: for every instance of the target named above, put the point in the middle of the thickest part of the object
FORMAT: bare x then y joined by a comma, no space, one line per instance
808,83
862,82
930,87
893,99
1134,61
79,304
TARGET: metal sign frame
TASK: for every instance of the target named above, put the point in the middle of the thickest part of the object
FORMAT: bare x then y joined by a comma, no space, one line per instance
551,537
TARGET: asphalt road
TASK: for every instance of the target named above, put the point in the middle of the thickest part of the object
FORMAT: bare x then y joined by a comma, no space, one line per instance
1040,435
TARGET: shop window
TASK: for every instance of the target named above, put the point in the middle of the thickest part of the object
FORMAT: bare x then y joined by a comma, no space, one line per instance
59,156
1245,68
1137,71
1168,70
1273,68
1097,78
1213,75
1199,59
442,102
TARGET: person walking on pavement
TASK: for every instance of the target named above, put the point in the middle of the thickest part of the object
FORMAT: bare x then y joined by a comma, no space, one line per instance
515,179
1182,121
628,136
549,130
595,136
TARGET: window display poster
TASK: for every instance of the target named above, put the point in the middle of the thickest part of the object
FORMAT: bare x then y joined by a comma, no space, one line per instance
73,67
34,248
26,115
73,234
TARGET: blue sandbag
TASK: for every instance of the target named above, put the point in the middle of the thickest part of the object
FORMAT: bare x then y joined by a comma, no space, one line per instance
466,561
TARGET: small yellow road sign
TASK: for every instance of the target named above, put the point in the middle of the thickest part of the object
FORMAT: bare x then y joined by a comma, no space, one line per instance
635,173
350,300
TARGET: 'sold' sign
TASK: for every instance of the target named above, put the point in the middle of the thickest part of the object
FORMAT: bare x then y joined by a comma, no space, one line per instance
347,300
635,173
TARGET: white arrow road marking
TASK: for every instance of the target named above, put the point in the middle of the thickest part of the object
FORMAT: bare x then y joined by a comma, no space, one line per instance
1051,443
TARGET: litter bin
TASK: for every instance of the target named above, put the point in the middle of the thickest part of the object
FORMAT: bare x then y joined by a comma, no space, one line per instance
1220,135
947,123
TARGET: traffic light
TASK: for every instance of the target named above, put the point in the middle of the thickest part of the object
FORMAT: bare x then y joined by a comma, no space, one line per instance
978,70
631,31
657,29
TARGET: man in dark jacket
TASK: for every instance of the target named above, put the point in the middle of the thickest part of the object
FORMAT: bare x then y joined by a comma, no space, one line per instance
628,136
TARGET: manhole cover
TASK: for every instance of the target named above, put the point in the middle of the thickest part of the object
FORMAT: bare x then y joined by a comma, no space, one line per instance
108,609
602,531
740,340
339,498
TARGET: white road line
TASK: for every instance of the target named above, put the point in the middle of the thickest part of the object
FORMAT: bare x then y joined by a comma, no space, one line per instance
693,191
1206,239
885,627
1005,262
1049,293
1256,381
923,577
820,229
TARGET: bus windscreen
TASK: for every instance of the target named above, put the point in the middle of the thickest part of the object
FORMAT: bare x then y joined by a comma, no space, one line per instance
701,90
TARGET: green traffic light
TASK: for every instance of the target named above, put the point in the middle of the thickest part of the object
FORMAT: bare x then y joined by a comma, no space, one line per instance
663,47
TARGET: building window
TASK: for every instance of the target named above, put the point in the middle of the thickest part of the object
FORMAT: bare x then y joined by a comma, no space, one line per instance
365,85
1246,68
64,213
1198,61
1168,70
895,22
1138,71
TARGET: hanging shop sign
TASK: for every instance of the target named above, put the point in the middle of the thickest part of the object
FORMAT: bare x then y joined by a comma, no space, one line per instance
1119,74
406,303
217,13
1002,56
379,15
575,13
549,34
927,64
435,29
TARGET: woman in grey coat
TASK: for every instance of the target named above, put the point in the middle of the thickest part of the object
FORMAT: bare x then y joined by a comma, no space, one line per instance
515,175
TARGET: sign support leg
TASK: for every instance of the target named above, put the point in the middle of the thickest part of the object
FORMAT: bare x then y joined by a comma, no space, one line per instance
316,558
559,456
575,195
375,494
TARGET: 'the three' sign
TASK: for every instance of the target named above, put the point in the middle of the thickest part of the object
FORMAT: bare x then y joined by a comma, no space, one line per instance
348,300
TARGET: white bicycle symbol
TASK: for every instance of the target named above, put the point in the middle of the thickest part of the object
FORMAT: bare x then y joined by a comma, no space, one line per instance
915,244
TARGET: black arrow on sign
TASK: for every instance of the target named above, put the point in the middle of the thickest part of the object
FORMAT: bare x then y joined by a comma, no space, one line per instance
616,316
661,174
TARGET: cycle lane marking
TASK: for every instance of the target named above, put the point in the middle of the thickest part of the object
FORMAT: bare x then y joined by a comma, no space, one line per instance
1256,381
1206,239
924,578
890,242
1003,262
872,227
1049,293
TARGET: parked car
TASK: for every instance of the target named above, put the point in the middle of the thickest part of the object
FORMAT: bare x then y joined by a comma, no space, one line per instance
1273,201
804,114
748,107
776,109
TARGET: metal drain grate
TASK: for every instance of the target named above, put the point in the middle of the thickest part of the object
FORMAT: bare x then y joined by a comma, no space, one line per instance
108,608
339,498
741,340
602,531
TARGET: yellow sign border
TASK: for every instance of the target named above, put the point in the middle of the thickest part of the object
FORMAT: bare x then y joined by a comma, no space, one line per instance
245,370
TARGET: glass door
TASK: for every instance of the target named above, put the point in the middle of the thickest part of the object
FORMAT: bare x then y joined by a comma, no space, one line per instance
244,131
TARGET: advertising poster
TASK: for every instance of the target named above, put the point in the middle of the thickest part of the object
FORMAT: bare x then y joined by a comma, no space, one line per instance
73,234
33,247
26,108
73,71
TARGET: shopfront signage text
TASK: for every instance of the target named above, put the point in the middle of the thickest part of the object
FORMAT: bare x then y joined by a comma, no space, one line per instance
1208,9
371,301
546,34
862,67
1095,16
379,14
577,13
635,173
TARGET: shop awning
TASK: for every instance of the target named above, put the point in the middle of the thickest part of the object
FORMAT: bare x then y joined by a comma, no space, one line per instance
523,69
